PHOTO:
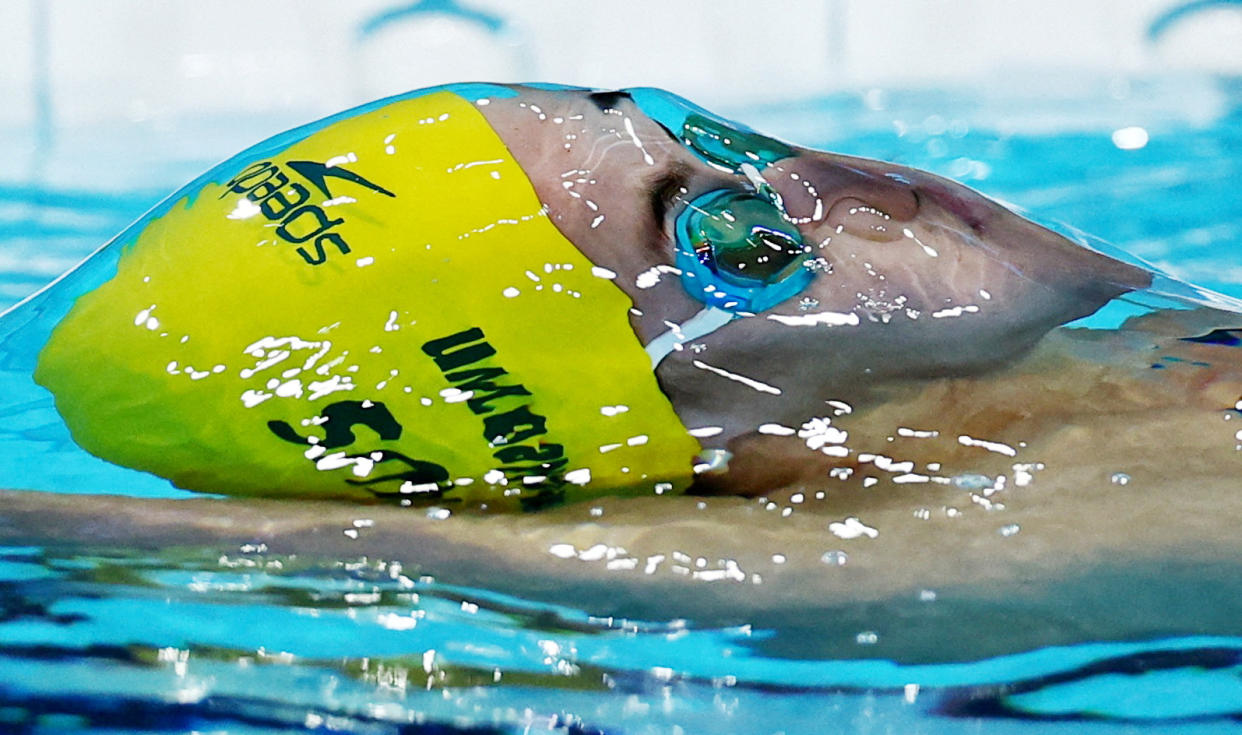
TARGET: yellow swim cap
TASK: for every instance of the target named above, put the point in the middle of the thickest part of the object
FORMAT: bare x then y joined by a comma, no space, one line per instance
382,308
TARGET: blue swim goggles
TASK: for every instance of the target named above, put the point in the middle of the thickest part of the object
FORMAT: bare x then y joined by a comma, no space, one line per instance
739,252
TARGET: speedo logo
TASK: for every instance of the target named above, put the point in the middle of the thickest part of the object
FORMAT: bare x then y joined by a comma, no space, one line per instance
515,435
287,202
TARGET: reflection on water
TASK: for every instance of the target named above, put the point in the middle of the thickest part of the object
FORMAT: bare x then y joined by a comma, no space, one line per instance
246,640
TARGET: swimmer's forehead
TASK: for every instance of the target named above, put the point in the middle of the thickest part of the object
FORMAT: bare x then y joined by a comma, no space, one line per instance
724,144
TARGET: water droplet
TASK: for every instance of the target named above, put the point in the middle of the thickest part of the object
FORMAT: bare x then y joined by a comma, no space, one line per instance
817,265
867,638
1120,478
972,481
1009,530
835,558
910,693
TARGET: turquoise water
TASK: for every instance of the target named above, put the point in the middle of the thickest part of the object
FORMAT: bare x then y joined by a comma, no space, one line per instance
232,638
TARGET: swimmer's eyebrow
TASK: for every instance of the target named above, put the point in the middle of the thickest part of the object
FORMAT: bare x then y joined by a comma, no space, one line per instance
608,100
664,189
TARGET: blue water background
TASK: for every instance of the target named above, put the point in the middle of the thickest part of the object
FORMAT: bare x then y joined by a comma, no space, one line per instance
237,640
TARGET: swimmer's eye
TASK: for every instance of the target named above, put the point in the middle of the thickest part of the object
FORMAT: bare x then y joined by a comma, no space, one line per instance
744,240
739,252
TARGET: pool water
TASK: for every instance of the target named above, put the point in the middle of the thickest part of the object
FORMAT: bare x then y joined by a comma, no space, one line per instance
234,637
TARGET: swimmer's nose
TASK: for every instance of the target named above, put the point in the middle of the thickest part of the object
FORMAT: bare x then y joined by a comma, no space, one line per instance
1025,247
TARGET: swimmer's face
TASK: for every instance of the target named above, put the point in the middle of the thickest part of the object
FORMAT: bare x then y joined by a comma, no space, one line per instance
839,270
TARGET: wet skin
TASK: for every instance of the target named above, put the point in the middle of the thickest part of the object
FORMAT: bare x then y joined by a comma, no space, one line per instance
1079,408
768,288
941,280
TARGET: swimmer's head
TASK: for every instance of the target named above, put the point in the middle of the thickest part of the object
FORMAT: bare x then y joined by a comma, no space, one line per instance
518,295
811,273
